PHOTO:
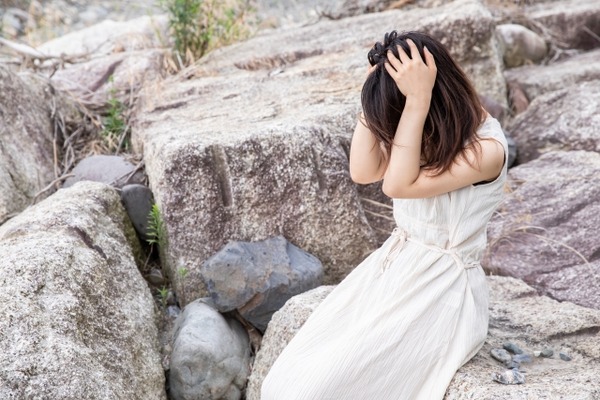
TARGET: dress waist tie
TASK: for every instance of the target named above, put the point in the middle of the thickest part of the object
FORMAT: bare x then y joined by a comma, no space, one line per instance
401,237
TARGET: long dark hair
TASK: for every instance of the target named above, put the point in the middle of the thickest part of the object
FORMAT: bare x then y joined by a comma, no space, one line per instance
455,112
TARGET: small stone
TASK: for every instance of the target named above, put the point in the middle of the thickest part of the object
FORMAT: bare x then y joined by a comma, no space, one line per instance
547,352
509,377
513,348
501,355
522,358
155,277
537,353
138,201
173,311
171,299
564,357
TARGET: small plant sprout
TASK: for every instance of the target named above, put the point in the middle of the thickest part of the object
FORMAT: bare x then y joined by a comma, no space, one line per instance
155,226
114,126
182,272
163,293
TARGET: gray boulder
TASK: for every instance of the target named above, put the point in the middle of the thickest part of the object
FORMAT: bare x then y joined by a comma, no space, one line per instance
77,319
535,80
256,144
138,201
111,170
211,355
517,314
569,21
520,45
30,110
546,230
110,37
119,75
258,278
566,119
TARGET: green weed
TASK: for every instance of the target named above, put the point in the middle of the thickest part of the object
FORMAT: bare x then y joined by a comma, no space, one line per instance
155,227
114,125
182,272
198,26
163,294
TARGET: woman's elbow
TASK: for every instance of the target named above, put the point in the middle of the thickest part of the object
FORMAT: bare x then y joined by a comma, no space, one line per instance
395,191
388,189
359,177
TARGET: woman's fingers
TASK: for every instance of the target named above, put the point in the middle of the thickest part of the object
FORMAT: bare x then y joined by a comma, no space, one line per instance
414,52
429,58
404,58
371,69
390,69
393,60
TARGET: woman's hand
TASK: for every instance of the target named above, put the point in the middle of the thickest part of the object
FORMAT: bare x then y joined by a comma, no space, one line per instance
412,76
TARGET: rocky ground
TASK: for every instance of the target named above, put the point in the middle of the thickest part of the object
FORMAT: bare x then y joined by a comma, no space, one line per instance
252,142
37,21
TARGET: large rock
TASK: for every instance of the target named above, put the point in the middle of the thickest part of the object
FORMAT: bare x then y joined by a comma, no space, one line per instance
111,170
574,23
118,75
257,278
110,37
259,145
30,112
211,355
77,319
536,80
517,314
566,119
546,230
520,45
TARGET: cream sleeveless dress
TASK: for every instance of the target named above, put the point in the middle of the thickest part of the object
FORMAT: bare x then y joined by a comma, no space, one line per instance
400,325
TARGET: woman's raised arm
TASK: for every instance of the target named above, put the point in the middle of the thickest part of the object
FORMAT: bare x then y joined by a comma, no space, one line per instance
368,160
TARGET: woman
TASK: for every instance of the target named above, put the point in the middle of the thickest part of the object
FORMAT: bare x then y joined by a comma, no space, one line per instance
400,324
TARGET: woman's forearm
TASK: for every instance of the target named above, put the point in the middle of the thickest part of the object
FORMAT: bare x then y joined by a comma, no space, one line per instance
404,164
367,161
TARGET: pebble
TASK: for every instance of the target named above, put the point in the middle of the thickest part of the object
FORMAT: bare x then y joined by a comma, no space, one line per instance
547,352
173,311
155,277
501,355
564,357
522,358
509,377
513,348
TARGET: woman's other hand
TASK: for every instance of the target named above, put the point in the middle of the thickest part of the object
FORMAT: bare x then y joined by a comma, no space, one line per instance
412,75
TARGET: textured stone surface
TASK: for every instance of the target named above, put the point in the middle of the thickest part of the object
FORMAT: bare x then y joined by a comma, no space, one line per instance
29,106
211,355
112,170
566,119
546,229
292,96
282,328
257,278
536,80
520,45
517,314
111,37
113,76
570,21
138,201
77,319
